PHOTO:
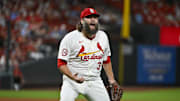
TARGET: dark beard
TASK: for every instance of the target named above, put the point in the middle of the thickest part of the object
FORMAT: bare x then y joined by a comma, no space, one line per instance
87,29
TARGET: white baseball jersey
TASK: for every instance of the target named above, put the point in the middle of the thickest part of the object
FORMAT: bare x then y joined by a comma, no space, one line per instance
84,56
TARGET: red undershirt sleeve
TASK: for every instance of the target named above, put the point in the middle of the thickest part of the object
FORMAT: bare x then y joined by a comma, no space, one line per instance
107,61
61,62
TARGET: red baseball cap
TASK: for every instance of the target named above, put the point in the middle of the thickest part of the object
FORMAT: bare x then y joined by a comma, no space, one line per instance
89,11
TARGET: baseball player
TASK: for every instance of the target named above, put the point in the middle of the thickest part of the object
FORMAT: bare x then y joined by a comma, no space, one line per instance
82,54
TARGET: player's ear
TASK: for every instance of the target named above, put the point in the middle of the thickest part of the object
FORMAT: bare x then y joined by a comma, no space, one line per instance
82,21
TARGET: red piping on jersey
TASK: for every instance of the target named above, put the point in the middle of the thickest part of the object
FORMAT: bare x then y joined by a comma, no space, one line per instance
61,62
99,47
107,61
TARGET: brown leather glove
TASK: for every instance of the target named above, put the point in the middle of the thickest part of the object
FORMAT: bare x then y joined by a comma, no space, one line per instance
115,92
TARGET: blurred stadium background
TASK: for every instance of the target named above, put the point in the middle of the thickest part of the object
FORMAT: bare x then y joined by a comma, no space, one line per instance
144,37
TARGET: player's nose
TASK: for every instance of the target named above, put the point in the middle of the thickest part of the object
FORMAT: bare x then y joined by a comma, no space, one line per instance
93,20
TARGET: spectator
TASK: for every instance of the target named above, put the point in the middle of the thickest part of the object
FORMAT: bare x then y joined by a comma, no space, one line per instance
2,63
177,10
62,30
36,54
2,19
17,76
55,33
139,18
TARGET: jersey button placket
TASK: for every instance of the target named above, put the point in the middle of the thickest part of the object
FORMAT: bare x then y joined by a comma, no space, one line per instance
89,50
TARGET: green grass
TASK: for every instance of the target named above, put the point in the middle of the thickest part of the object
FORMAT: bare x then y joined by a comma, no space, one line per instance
35,94
29,94
152,95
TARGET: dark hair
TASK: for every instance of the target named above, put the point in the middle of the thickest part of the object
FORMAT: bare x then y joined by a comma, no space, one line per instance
79,26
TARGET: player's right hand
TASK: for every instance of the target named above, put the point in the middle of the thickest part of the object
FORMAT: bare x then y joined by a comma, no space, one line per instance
78,79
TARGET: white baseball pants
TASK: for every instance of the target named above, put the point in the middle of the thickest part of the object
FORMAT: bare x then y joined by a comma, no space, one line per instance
92,90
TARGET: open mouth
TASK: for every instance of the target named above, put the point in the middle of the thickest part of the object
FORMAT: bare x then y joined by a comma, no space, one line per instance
92,25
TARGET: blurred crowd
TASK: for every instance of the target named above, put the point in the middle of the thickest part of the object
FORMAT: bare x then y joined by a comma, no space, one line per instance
38,25
34,23
157,12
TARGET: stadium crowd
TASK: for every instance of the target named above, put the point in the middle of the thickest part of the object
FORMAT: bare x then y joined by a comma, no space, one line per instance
38,25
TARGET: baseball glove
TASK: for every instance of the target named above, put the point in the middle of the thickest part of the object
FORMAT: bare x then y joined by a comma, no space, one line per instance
115,92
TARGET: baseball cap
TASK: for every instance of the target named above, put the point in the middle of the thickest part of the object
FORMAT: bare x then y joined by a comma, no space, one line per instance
89,11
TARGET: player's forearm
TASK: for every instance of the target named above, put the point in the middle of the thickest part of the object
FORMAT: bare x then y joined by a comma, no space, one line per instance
65,70
108,69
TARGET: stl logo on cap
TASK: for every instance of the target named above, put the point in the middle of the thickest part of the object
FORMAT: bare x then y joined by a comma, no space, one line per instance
91,10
